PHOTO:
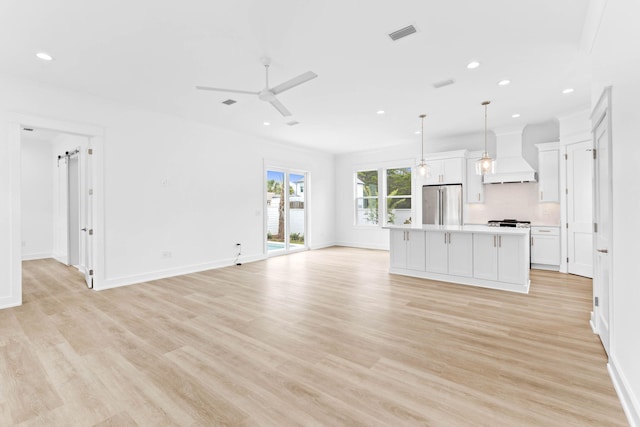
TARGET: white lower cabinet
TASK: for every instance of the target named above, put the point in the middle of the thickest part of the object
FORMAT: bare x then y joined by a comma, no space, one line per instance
485,256
449,253
407,249
500,258
469,256
545,246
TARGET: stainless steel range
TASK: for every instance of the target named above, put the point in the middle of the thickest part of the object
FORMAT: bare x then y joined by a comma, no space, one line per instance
509,223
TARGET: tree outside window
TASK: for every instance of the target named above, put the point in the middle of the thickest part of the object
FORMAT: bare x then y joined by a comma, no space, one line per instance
367,197
398,200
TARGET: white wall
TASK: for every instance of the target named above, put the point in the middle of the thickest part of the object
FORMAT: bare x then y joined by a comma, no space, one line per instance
37,199
408,155
170,185
616,62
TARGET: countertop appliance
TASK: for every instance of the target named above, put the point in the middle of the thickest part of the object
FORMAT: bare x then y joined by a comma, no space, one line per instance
509,223
442,204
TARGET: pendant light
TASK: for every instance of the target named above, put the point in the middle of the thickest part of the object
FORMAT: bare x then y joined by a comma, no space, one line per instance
423,168
486,164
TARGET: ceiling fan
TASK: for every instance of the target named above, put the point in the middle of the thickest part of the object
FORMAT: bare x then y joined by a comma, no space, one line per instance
268,94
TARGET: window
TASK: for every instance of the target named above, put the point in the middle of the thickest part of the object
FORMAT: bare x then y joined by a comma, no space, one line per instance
394,196
366,197
398,192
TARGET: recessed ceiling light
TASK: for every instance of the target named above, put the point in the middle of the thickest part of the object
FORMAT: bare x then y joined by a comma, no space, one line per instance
473,64
417,132
380,112
266,123
515,116
568,90
504,82
44,56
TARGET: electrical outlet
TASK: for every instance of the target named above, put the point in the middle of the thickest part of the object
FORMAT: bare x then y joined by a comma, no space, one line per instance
165,182
165,254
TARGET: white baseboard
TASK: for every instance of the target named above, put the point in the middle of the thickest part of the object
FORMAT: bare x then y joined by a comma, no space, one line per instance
8,302
322,246
61,258
625,394
32,257
545,267
178,271
361,246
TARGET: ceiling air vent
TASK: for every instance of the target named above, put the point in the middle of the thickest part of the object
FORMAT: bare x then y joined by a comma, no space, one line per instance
443,83
402,32
293,123
229,102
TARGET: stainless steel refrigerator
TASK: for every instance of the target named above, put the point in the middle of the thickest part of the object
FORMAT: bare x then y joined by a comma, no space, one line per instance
442,204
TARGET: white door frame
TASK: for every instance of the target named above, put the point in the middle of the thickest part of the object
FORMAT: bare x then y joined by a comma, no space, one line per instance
601,112
15,123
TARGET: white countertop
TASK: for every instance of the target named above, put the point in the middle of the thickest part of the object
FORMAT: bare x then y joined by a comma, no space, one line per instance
461,228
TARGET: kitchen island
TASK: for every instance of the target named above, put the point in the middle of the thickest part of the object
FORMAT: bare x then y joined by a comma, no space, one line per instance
476,255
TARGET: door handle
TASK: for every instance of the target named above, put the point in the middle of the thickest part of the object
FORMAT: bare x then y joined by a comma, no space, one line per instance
499,241
531,240
445,238
494,240
83,229
603,251
478,196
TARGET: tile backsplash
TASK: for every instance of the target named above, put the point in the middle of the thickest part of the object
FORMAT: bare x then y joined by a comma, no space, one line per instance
518,201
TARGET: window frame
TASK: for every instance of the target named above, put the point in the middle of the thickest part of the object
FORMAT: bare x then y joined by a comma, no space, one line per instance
401,196
363,198
382,197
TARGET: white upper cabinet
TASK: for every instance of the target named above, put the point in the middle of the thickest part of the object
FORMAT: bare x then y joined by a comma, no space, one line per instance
474,189
446,170
548,172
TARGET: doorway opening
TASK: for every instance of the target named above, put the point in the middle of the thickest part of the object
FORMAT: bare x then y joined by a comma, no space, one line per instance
286,218
56,199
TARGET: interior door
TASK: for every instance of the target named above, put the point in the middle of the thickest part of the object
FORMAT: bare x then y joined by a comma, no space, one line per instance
73,210
87,229
602,236
580,208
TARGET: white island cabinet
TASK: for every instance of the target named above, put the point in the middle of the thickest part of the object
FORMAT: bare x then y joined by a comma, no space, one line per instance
407,249
449,253
476,255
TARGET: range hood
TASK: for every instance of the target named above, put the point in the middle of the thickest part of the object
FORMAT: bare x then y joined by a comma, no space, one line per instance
510,165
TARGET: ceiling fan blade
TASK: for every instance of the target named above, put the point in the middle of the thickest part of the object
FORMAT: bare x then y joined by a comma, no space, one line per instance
215,89
302,78
281,108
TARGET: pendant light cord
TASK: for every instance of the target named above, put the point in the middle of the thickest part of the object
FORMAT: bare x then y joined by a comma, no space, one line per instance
422,138
485,128
422,116
485,103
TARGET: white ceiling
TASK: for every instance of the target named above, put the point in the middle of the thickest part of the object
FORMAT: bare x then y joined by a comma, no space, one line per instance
151,53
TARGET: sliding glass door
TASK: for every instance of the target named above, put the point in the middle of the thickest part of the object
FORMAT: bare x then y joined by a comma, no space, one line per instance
286,215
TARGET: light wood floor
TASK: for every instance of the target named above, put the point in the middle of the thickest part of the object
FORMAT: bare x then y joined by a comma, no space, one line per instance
324,337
